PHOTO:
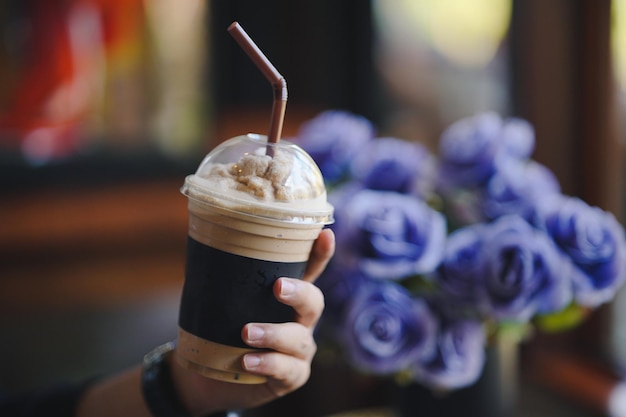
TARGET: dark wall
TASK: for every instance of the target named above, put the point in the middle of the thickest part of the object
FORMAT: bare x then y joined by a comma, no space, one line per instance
322,48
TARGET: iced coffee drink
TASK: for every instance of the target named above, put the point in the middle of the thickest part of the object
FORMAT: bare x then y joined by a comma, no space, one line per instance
254,214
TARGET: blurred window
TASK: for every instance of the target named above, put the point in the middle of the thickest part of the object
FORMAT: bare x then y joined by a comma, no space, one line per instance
441,60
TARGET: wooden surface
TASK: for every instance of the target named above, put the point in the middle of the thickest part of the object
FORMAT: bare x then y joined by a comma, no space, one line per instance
76,248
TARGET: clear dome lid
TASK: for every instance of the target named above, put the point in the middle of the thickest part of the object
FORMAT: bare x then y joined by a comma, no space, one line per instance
247,174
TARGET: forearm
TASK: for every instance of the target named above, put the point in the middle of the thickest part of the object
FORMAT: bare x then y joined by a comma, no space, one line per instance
122,394
119,395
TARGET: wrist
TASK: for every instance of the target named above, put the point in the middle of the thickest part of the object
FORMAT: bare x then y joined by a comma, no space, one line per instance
192,389
171,391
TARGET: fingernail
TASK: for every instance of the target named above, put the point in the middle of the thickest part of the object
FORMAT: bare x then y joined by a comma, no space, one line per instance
251,361
287,288
255,333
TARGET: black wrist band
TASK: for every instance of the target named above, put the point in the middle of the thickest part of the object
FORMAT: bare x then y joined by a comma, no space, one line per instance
158,388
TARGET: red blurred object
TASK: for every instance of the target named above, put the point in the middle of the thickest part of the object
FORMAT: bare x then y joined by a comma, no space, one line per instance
60,70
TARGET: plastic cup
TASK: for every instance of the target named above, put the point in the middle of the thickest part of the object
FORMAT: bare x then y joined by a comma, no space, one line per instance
252,219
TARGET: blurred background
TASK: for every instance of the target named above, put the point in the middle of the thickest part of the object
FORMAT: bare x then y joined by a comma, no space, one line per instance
105,106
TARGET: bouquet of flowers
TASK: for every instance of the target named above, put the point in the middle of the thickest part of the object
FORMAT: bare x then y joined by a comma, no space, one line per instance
437,255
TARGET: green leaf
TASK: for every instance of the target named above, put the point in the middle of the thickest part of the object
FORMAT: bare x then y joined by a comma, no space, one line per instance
514,331
565,319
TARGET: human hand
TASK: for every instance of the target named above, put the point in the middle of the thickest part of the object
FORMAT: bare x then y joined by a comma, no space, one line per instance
291,347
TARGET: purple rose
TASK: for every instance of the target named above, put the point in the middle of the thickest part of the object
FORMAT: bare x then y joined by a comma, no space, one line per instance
388,235
526,273
516,187
333,138
386,330
594,241
338,285
462,270
470,148
519,138
390,164
459,359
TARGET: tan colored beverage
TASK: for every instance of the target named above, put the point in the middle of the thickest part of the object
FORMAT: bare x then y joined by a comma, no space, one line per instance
252,219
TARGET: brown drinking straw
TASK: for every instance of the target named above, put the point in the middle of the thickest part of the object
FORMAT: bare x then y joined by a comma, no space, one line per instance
279,84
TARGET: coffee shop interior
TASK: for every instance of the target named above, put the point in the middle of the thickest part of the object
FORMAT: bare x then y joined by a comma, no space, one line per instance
106,106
